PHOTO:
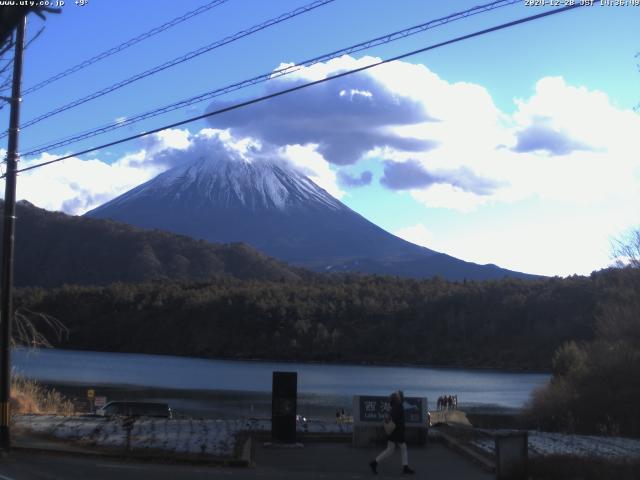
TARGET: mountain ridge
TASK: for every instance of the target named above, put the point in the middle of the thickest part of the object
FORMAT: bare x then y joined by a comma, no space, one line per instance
281,212
53,248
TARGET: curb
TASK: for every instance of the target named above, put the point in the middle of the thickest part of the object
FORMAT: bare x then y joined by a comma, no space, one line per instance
309,437
141,457
242,458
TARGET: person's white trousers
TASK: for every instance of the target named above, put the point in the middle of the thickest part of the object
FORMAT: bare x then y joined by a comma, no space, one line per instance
391,446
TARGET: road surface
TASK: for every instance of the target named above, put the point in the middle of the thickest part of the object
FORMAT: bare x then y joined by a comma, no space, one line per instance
314,460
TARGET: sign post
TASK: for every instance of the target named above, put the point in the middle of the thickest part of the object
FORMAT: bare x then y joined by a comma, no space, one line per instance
91,394
99,402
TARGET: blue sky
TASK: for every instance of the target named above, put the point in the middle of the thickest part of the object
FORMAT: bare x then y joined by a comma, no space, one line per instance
516,148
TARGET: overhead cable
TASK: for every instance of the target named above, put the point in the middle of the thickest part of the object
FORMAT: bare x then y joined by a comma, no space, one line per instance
124,45
236,106
381,40
176,61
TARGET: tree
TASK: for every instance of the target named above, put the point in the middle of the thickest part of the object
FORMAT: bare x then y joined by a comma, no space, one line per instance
34,329
626,249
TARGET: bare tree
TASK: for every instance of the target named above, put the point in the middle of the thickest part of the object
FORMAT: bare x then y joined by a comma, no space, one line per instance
34,329
626,249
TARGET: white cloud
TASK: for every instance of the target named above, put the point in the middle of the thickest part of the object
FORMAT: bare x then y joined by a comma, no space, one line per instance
448,196
565,146
344,118
471,133
175,138
560,245
314,166
418,234
76,186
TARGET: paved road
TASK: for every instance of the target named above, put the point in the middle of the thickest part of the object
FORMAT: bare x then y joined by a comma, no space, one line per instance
326,460
315,460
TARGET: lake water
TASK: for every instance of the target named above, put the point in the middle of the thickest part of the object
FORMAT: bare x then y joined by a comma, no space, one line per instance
228,381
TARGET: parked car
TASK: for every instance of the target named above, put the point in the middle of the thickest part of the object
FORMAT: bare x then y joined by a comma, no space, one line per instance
135,409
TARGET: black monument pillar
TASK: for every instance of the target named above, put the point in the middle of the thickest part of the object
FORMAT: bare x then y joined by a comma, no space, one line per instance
284,403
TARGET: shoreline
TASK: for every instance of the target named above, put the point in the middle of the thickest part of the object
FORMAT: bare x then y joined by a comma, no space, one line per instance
193,380
243,404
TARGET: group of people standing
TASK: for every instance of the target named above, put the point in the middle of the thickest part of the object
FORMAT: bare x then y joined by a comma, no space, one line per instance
341,416
447,402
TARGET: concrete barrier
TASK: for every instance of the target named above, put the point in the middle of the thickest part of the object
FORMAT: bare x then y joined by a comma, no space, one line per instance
512,455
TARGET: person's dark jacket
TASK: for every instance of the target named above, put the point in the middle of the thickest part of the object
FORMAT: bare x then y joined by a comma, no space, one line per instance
397,415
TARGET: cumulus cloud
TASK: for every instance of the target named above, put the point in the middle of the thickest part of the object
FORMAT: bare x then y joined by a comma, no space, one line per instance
76,186
536,138
412,174
418,234
171,139
344,118
406,175
446,144
563,143
399,111
348,180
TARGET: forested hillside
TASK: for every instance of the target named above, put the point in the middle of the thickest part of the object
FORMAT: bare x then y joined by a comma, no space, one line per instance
53,249
506,324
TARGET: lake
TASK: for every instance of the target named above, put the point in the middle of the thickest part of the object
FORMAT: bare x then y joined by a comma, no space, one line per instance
244,386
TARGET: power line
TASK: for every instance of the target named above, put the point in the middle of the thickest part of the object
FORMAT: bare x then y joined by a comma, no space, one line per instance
391,37
310,84
10,64
125,45
176,61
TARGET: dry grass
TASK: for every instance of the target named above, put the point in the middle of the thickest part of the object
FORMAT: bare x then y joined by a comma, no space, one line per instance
27,396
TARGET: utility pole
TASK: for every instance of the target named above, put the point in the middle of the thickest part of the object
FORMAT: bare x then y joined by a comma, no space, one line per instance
6,307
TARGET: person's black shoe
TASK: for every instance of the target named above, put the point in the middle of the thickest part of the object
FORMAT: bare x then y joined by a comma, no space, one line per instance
374,466
407,470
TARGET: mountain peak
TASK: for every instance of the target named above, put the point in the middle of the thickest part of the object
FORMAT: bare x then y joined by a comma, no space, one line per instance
233,183
272,206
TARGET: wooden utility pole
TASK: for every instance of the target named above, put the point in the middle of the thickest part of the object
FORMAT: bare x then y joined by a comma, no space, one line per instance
6,308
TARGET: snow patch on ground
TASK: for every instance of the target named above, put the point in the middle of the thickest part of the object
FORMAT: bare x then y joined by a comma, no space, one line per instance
547,443
217,438
191,436
183,436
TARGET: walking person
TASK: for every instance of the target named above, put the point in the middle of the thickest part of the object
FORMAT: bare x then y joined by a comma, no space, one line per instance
396,437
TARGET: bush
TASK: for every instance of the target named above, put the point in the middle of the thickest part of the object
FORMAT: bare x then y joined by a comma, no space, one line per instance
27,396
596,385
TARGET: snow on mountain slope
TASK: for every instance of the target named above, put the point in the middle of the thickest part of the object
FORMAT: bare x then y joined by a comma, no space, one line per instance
272,206
233,183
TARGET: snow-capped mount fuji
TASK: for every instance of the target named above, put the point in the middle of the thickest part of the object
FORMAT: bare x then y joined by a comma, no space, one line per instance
275,208
233,184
